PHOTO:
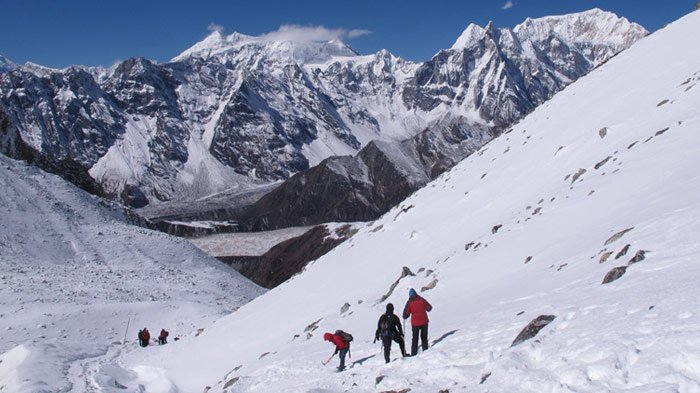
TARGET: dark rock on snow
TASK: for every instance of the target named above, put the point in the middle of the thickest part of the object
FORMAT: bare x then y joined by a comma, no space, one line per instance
533,328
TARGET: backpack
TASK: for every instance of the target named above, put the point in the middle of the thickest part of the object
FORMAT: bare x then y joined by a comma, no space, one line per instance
346,336
385,328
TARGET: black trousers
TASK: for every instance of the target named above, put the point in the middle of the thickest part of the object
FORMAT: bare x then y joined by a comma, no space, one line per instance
423,332
386,340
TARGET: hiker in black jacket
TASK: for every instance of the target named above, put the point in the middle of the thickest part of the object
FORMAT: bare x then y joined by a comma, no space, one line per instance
389,329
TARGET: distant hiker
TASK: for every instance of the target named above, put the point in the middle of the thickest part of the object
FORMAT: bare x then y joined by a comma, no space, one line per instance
418,309
342,346
145,337
141,337
163,338
388,330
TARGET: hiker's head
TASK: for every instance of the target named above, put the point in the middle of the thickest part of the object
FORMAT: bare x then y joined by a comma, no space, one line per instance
328,336
389,308
412,293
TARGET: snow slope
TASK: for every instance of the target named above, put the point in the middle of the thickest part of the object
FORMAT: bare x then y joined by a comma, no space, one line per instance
74,272
515,231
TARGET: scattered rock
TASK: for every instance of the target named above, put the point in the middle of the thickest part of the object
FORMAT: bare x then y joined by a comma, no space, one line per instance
444,391
528,259
520,313
484,378
483,176
622,252
405,272
377,228
591,192
345,308
403,210
632,145
618,235
602,132
662,103
578,174
230,382
651,307
661,131
604,257
120,386
601,163
496,228
638,257
648,139
312,326
536,211
614,274
263,355
562,266
430,271
430,286
533,328
379,379
199,331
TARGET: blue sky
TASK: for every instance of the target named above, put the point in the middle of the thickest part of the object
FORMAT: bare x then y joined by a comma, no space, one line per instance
99,32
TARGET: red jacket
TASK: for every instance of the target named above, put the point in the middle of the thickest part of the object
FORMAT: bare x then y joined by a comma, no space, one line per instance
338,340
145,336
417,308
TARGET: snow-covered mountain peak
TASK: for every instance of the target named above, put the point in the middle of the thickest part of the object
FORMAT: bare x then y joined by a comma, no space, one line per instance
6,64
299,50
213,44
594,25
472,33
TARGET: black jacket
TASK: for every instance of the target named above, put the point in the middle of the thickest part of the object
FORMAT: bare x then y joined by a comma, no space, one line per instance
394,326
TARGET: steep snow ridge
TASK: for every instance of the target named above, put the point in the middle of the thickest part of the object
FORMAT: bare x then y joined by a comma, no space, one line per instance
74,272
517,230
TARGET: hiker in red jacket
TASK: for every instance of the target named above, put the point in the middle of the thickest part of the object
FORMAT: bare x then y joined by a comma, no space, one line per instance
341,347
145,337
417,308
163,338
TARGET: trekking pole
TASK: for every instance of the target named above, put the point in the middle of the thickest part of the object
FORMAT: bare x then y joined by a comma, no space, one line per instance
328,360
127,330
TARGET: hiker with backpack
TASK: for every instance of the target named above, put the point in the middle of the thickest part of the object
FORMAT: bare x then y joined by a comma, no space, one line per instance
144,337
342,341
417,308
388,330
163,337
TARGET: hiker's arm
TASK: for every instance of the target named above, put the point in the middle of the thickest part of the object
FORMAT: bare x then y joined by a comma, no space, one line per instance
397,323
428,307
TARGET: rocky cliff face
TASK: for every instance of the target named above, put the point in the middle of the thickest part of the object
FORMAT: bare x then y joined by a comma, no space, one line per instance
237,111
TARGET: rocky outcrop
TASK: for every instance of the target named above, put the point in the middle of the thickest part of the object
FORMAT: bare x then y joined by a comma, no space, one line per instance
288,258
533,328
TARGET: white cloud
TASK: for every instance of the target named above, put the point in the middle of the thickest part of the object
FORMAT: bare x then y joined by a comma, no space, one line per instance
508,5
215,27
311,33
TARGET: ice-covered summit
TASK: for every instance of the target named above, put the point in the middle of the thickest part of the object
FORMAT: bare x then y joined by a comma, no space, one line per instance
303,51
594,25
